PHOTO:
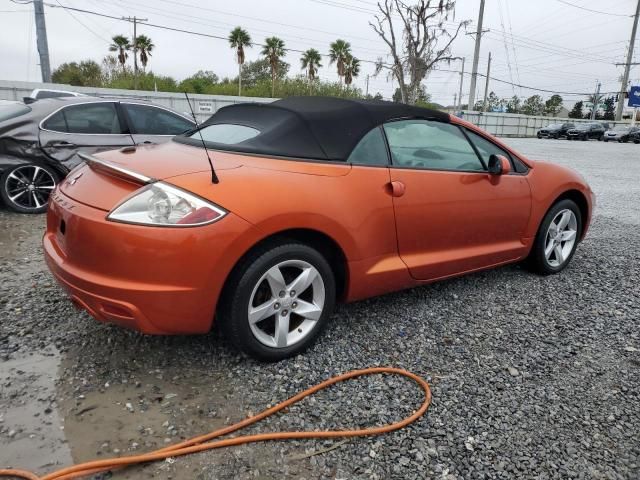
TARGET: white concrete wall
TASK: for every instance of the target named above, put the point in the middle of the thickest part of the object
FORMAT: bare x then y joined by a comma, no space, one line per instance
203,105
501,124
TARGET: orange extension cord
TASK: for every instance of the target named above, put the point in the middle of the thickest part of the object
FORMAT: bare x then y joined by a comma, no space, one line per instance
202,443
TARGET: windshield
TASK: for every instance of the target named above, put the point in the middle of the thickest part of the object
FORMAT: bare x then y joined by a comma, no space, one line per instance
621,128
12,110
582,126
554,126
226,133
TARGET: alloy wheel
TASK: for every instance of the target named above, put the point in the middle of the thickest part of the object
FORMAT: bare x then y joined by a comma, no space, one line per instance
561,237
286,303
29,186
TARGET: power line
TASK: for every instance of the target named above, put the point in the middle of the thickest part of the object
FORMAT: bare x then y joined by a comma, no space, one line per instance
224,38
593,11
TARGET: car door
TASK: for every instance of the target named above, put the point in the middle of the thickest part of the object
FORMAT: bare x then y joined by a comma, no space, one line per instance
154,124
86,127
452,216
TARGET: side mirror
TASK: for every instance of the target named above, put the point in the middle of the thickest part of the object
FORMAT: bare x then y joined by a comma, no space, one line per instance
499,165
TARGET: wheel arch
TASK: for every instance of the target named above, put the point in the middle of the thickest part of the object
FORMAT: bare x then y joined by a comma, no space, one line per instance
325,244
581,200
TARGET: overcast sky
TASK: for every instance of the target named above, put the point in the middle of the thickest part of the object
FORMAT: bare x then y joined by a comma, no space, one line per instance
543,43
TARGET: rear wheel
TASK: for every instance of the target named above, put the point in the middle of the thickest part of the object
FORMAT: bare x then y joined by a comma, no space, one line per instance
26,188
557,238
279,299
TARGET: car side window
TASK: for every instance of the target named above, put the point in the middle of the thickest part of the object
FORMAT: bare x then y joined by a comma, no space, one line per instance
371,150
486,148
147,120
87,118
425,144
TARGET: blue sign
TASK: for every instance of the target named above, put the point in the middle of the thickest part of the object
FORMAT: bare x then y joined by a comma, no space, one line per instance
634,96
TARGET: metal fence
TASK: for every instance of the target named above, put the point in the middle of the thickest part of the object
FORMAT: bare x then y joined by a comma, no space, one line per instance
501,124
515,125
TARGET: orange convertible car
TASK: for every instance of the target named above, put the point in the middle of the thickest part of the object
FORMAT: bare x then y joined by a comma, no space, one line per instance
312,201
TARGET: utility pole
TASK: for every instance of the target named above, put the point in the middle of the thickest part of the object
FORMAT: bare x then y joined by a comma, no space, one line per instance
627,67
461,81
367,91
455,101
476,54
486,85
596,101
43,45
135,21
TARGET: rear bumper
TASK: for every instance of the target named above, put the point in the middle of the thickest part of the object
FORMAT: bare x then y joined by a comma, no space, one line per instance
149,279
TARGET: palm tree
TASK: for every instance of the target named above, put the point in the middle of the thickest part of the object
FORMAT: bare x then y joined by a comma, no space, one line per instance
273,49
238,39
310,61
338,53
351,69
121,45
144,45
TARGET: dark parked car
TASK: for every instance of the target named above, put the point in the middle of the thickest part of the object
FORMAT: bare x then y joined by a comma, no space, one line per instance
621,133
555,130
635,137
585,131
39,141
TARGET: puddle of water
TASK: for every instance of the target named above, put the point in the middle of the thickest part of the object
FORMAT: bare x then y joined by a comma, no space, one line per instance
143,415
32,436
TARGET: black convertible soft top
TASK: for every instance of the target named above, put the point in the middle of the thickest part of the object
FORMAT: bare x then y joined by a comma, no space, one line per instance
323,128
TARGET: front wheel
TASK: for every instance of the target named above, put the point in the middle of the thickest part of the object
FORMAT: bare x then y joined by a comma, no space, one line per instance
26,188
279,299
557,238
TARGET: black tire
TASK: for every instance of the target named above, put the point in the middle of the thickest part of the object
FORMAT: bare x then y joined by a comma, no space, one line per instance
48,177
605,140
636,141
234,316
537,262
600,138
585,138
539,136
556,136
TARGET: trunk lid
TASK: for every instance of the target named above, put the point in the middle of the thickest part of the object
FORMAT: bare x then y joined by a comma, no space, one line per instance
104,186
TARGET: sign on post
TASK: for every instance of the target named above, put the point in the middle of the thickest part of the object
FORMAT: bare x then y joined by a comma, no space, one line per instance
634,96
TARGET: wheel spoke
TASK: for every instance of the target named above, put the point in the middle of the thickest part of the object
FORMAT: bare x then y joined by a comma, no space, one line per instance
308,310
36,172
45,187
302,281
564,220
261,312
568,235
13,176
35,199
22,192
282,330
549,248
558,252
275,280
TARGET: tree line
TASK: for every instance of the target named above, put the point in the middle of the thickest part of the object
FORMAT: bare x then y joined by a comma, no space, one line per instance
114,72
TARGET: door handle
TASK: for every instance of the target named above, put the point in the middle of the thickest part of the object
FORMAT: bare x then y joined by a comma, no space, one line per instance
396,188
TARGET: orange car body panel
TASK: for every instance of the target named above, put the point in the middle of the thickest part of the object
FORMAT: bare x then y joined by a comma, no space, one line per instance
169,280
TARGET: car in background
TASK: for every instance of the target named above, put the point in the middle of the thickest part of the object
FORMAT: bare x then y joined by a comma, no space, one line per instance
635,137
40,141
555,130
586,131
313,200
40,93
621,133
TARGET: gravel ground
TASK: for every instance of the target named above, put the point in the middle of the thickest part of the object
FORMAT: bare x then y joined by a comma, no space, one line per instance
531,377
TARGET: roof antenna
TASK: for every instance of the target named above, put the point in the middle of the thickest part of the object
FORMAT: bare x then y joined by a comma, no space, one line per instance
214,177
